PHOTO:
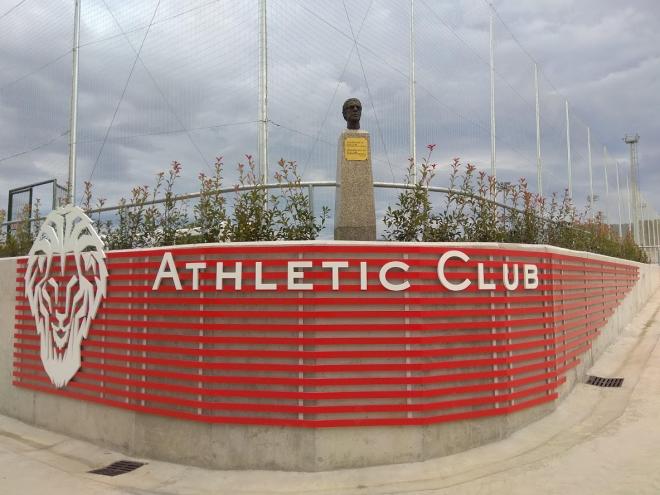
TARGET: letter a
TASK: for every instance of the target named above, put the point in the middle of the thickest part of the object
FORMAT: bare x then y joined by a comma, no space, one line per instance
167,270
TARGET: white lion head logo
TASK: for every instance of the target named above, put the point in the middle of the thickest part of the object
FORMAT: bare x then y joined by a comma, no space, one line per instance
64,304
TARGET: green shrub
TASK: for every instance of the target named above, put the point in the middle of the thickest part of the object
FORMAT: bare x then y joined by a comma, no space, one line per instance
293,212
476,208
253,218
479,209
18,239
287,214
211,220
411,218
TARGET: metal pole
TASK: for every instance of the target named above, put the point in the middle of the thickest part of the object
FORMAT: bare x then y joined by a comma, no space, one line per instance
591,176
492,100
10,212
655,226
413,115
636,193
647,225
263,92
539,164
568,153
652,236
645,232
618,196
310,195
654,233
607,184
634,179
633,198
54,194
642,227
652,229
630,222
73,116
30,204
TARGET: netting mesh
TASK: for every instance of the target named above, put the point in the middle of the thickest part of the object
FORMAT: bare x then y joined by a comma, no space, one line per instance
162,80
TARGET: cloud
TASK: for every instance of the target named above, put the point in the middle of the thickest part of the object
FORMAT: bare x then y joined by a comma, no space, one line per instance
203,57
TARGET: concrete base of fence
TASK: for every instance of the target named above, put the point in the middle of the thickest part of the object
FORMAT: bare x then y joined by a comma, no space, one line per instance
256,447
236,446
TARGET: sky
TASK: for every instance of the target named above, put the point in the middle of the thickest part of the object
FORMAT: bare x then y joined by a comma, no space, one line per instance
192,93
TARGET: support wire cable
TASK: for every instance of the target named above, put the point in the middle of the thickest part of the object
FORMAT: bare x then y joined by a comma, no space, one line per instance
334,94
513,36
144,26
34,148
38,69
296,131
159,89
366,82
476,53
175,131
515,39
384,61
549,124
421,85
123,93
11,9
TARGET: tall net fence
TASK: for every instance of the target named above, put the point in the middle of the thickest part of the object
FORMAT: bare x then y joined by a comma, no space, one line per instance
35,62
161,80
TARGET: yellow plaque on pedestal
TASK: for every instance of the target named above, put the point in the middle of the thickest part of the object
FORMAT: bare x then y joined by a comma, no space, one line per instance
356,149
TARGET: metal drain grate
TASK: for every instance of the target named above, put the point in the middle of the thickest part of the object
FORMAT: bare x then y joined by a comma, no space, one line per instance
117,468
604,382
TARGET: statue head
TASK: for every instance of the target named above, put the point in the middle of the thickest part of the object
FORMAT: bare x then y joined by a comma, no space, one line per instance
352,111
65,282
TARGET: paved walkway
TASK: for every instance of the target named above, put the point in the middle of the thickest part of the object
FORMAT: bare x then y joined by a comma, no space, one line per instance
599,441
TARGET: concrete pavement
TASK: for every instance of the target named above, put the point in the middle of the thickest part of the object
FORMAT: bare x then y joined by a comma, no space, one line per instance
599,440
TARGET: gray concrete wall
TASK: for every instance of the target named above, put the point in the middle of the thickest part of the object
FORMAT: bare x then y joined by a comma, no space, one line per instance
250,447
13,401
648,283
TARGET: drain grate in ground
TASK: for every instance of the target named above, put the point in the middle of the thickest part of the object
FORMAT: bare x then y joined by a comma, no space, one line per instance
117,468
604,382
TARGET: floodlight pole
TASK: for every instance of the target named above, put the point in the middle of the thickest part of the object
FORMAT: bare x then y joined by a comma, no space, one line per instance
73,117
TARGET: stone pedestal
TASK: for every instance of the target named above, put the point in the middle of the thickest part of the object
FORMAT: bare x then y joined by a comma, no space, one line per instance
355,213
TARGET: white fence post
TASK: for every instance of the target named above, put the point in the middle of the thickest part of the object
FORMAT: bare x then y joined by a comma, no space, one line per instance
618,196
73,116
569,164
263,92
492,101
539,163
412,82
591,176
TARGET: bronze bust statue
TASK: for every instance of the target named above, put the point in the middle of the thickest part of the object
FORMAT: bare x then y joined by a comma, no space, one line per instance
352,111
